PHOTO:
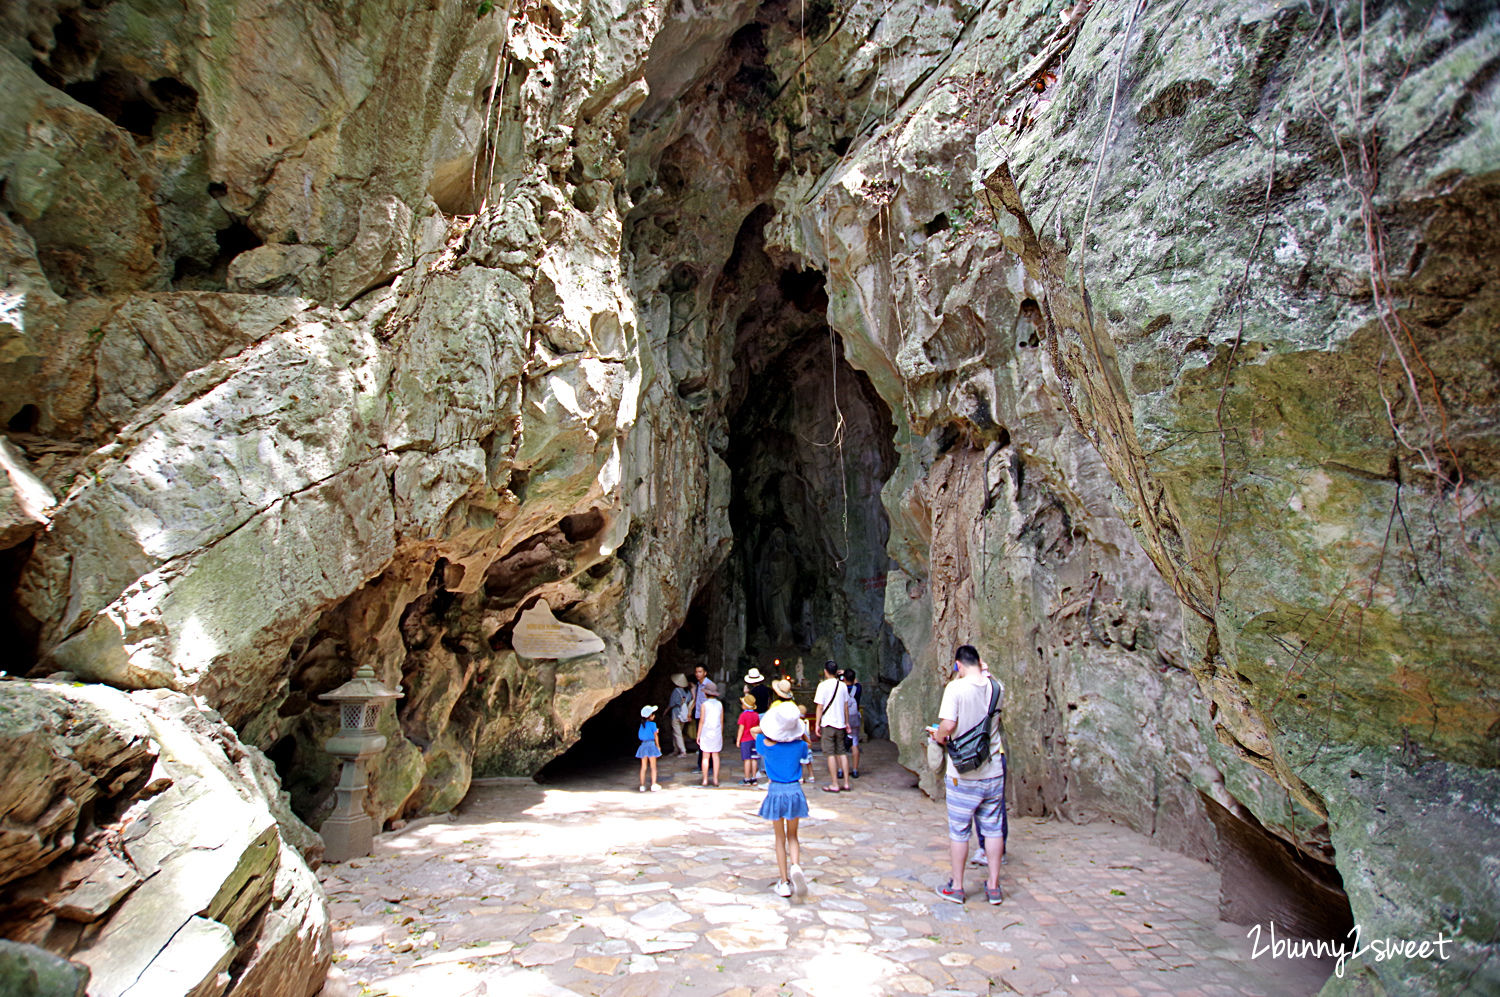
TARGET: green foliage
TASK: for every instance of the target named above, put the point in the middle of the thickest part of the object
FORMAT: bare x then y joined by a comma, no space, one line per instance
485,6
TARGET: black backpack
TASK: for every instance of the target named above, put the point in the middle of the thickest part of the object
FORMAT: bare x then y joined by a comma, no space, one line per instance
971,749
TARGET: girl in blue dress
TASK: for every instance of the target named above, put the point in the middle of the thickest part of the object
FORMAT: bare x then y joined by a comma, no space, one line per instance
780,741
650,749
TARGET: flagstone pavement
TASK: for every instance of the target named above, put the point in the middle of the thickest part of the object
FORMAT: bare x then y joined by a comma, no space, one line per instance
585,886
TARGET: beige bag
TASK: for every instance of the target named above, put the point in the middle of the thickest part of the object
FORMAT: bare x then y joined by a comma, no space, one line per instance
936,756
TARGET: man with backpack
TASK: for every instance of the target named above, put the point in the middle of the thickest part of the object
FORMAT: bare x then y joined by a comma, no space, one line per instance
970,731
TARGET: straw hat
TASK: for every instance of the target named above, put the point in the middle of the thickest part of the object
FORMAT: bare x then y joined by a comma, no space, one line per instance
747,701
753,676
679,680
646,711
782,688
783,722
709,689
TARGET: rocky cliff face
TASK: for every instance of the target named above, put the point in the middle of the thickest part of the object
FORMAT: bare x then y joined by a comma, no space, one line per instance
1257,273
360,431
140,838
1165,338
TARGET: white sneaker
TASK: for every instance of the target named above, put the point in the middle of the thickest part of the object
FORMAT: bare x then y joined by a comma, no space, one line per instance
641,788
656,787
799,881
978,858
783,888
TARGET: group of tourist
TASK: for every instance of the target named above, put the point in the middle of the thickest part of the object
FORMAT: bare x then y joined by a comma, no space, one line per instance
771,731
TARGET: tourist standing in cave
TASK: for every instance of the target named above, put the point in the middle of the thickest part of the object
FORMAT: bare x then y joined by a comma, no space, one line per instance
710,730
853,688
831,726
679,712
781,743
700,675
650,747
782,690
969,701
981,851
749,720
755,685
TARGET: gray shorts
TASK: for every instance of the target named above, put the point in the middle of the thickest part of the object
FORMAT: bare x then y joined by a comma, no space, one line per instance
834,743
971,798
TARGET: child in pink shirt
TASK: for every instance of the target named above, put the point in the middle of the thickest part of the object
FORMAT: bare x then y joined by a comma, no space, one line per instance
749,720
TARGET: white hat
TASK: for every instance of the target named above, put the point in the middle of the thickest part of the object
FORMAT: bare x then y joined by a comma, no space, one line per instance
753,676
783,722
709,689
646,711
679,680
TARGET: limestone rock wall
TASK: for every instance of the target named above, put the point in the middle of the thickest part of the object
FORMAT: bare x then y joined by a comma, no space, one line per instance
358,378
344,334
1240,262
141,839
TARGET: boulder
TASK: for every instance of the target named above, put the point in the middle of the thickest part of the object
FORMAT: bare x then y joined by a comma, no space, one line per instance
24,500
136,845
28,971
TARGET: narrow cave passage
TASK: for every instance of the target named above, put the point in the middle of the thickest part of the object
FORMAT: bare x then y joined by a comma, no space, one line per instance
809,446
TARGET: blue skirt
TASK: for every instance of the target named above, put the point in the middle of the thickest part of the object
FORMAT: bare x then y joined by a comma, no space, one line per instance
648,749
784,801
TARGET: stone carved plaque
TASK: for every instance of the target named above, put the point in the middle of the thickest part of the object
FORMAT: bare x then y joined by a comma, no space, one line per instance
539,634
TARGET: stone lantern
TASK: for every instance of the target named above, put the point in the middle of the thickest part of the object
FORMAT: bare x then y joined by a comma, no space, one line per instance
349,832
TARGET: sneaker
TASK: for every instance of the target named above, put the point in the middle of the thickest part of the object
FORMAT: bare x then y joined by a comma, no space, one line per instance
799,881
993,897
783,888
854,772
950,892
641,788
656,787
978,858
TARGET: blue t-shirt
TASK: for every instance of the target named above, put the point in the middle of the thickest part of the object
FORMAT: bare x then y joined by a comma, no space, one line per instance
647,731
782,759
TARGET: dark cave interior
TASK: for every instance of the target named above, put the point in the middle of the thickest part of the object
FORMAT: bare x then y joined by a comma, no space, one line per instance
810,445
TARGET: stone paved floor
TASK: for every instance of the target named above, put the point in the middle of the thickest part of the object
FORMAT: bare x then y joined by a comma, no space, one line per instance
588,887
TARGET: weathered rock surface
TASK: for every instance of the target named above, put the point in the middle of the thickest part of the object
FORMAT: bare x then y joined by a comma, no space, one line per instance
1181,319
353,407
24,500
139,839
28,971
1298,423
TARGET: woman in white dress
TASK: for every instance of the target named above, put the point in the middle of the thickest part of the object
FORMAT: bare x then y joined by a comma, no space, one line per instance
711,730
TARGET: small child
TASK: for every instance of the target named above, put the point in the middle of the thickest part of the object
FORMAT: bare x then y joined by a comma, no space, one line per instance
749,719
650,749
782,746
781,689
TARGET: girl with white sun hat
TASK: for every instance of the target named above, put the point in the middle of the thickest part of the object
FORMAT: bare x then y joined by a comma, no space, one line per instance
650,749
780,741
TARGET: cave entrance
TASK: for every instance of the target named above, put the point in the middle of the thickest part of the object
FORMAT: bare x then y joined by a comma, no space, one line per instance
809,444
609,736
810,447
